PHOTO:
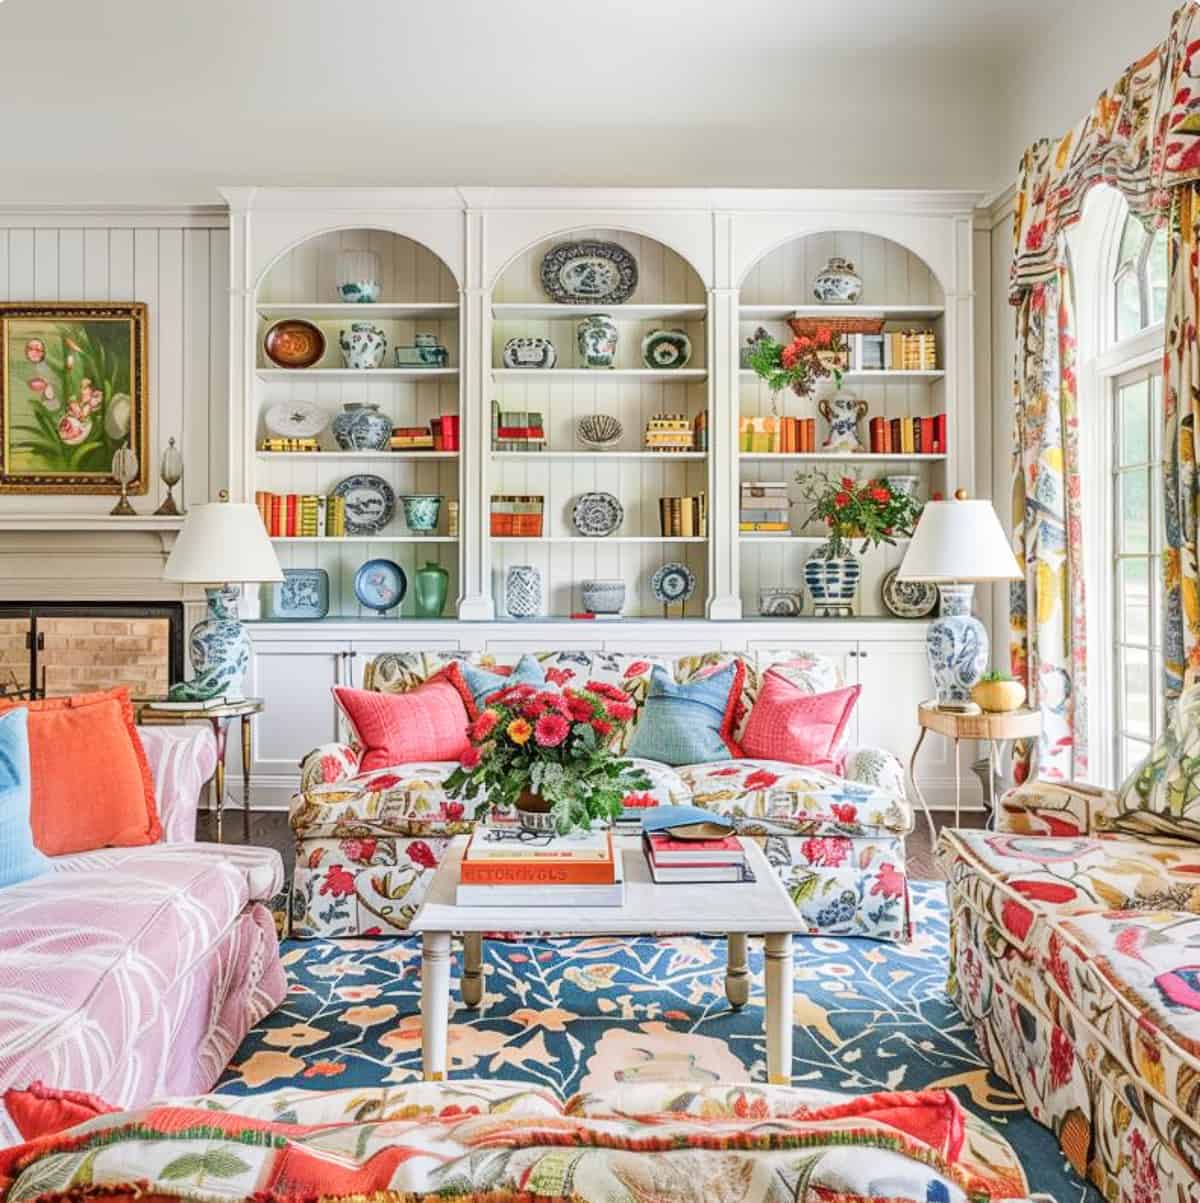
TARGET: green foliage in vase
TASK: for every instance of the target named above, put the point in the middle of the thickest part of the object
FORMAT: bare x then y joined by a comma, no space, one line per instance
797,365
853,509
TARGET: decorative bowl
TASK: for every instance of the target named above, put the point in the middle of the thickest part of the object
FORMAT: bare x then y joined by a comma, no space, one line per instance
596,515
599,430
780,602
358,277
421,512
294,343
998,697
603,597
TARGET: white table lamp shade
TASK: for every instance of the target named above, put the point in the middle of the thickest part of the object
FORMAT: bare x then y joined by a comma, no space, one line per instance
959,541
224,541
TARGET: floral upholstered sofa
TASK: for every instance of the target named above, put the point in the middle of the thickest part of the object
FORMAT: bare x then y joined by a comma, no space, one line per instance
134,973
1076,956
367,844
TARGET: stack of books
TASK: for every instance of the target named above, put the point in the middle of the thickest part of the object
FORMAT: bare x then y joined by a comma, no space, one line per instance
288,444
445,432
895,351
411,438
517,430
301,515
573,870
690,860
683,517
777,435
764,508
670,432
908,436
515,517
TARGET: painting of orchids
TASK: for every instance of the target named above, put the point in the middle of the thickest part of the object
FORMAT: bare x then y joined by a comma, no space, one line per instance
73,391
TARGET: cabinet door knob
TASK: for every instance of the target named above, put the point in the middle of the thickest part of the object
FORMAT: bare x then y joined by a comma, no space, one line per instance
851,653
863,655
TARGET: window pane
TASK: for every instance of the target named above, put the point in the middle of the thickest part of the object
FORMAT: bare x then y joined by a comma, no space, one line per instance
1133,406
1135,693
1133,236
1133,602
1133,512
1129,305
1156,269
1133,752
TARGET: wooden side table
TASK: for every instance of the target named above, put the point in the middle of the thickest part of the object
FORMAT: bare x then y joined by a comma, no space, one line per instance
992,729
220,719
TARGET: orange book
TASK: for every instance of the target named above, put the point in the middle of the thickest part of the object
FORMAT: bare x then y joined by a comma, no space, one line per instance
493,865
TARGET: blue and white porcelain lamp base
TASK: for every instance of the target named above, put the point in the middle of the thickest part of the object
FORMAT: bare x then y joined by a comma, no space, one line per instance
957,647
219,649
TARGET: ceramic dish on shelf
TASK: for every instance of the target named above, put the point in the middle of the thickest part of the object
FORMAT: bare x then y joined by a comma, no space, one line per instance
666,349
380,585
302,594
673,583
529,353
295,420
370,503
294,343
589,273
908,599
599,430
597,515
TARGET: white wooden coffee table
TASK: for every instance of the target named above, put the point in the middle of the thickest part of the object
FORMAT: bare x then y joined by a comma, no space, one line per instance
762,908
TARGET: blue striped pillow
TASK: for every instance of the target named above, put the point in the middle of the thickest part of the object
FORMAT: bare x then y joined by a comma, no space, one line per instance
19,858
692,723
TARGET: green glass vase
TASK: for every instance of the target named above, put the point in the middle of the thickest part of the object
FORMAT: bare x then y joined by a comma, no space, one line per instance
429,590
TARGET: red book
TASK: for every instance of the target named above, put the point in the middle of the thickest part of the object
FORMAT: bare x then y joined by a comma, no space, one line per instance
928,437
875,426
897,435
290,521
939,433
886,439
668,852
590,867
448,423
275,527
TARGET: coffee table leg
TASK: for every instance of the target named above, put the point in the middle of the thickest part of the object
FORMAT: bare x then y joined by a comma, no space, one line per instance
737,976
472,978
435,1003
778,957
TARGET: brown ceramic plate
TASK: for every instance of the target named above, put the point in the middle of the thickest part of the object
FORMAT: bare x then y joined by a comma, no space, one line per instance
294,343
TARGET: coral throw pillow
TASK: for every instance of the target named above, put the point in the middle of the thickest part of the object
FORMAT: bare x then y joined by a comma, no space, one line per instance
427,723
690,723
790,724
92,785
41,1110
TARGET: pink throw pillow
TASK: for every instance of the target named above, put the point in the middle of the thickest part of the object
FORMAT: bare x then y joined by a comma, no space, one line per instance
426,723
790,724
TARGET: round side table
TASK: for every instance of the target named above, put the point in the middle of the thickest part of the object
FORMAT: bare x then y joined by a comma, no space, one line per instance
991,728
220,719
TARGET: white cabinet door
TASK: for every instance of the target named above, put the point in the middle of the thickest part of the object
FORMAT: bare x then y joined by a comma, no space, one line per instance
294,679
895,680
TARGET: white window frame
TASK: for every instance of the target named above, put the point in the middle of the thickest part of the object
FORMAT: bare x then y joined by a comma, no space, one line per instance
1102,362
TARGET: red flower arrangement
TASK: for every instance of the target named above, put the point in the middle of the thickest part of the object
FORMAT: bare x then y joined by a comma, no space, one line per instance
798,365
555,745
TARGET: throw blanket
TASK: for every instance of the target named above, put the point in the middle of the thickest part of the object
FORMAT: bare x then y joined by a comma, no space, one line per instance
499,1142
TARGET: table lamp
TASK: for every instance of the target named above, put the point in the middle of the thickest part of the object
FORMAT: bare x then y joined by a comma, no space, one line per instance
957,544
220,543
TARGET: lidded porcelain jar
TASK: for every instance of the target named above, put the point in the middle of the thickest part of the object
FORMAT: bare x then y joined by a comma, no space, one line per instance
838,283
363,345
361,427
597,338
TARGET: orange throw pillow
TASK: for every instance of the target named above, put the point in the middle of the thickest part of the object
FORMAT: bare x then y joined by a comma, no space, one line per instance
92,784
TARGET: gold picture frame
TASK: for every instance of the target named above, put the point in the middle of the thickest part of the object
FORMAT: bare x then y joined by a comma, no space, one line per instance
73,389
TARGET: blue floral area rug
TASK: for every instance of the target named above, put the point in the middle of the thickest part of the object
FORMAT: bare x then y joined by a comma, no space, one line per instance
578,1014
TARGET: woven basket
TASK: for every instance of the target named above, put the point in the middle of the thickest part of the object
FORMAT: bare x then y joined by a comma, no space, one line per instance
806,327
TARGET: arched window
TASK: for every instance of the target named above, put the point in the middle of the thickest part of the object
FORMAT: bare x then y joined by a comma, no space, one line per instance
1121,293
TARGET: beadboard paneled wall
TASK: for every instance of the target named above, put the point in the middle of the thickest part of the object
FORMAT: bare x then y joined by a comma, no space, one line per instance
178,266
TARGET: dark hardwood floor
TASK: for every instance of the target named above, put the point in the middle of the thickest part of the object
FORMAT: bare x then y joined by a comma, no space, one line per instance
269,828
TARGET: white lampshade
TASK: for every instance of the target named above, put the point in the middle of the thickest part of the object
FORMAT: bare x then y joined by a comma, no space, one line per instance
222,542
959,541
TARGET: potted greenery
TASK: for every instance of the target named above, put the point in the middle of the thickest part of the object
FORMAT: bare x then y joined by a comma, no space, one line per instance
799,364
871,511
548,755
998,692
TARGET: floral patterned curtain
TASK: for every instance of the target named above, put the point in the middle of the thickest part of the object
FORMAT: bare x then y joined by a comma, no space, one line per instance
1047,626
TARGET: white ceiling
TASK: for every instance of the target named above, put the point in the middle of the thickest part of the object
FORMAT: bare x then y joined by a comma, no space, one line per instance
162,100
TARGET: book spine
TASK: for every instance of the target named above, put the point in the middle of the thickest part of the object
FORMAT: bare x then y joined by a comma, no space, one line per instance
501,873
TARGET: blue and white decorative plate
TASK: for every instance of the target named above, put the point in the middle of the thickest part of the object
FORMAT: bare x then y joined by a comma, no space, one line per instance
380,585
673,583
597,514
666,349
589,273
370,503
908,599
302,594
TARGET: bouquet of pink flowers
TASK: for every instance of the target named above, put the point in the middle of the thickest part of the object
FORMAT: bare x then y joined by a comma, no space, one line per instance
533,744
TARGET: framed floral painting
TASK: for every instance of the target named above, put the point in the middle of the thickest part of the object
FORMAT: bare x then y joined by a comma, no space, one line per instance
73,391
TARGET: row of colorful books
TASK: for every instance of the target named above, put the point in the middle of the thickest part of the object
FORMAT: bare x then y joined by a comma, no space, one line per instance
683,517
899,350
764,507
517,430
771,434
514,516
908,436
441,434
674,432
301,515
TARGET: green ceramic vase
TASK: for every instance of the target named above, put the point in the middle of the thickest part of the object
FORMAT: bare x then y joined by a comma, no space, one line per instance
429,590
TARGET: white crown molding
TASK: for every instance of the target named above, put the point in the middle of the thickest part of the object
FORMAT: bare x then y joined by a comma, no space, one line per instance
190,217
997,210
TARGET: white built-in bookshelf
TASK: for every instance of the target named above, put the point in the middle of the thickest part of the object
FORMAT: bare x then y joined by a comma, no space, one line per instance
465,265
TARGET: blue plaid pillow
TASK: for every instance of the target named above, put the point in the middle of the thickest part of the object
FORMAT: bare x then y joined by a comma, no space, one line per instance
692,723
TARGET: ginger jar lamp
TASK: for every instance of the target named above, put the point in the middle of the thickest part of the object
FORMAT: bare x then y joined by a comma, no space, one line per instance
956,545
221,545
